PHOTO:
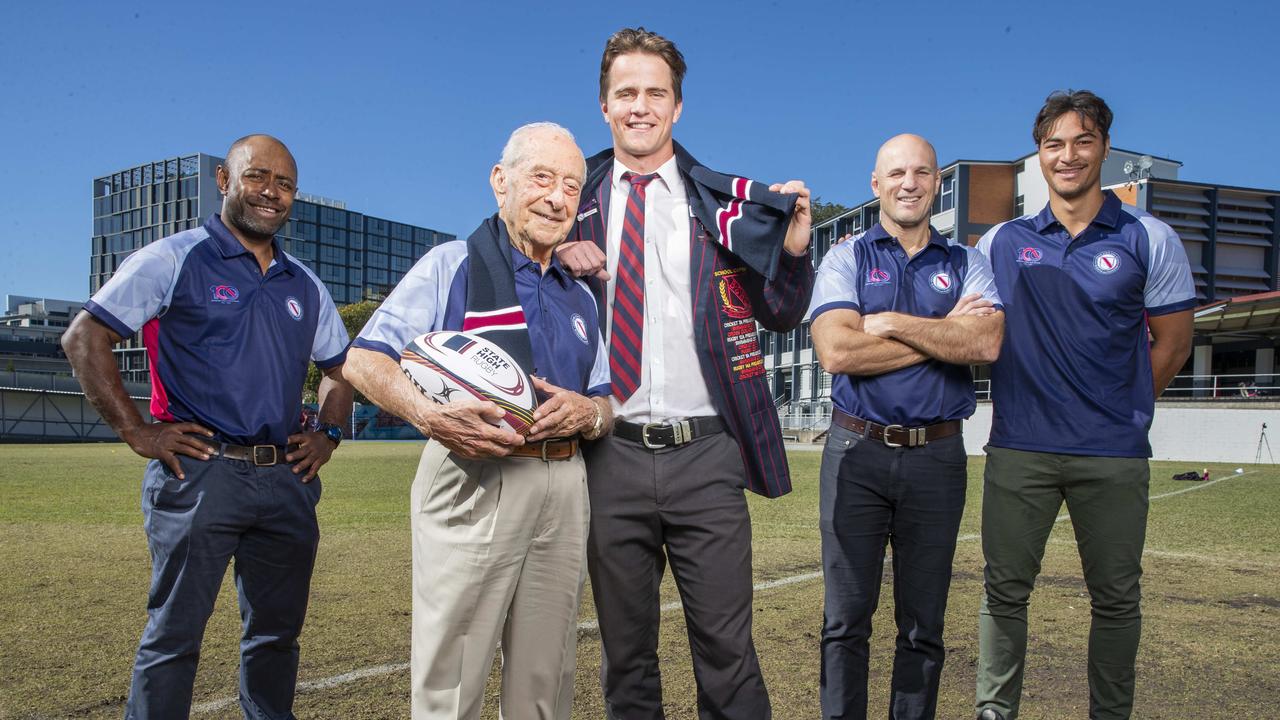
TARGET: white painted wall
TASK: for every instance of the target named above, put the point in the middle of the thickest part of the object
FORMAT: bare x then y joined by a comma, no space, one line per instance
1195,434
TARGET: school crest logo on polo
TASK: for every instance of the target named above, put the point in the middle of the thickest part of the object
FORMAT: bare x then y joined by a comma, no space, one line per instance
579,328
1029,256
941,282
1106,262
224,294
876,276
294,307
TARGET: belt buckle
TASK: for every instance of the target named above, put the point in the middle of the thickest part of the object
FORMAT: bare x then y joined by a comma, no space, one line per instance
681,432
884,436
916,437
256,454
644,436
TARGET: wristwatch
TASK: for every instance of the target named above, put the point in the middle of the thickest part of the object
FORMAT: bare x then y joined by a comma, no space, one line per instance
331,431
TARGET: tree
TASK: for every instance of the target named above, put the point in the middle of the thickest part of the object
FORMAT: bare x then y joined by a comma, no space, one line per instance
824,211
354,317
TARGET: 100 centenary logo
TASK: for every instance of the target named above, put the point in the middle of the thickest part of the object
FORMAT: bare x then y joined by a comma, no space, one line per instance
224,294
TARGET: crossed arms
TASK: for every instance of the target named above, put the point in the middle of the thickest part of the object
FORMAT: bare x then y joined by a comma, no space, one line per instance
850,343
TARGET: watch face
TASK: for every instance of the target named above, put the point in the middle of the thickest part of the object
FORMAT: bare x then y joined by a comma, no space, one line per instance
334,433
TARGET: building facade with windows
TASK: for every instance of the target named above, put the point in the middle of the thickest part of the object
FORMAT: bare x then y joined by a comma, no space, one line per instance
30,332
1231,236
357,256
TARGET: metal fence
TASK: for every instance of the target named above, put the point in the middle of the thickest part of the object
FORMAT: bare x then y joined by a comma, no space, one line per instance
799,418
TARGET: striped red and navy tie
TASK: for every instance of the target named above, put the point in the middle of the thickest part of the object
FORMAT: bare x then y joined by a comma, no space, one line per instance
628,294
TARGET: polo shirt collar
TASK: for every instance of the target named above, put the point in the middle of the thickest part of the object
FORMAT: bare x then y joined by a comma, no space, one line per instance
519,261
878,233
1108,214
229,247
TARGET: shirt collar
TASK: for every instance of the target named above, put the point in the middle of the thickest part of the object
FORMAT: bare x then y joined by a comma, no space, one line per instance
668,172
878,233
519,261
1108,214
229,247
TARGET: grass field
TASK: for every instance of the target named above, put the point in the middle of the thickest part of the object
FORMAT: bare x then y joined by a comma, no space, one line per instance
75,567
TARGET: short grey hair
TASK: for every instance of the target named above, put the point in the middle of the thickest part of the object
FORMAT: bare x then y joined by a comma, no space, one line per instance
517,148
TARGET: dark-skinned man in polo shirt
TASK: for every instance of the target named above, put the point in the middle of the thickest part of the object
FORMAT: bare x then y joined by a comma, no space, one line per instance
898,316
1099,299
230,322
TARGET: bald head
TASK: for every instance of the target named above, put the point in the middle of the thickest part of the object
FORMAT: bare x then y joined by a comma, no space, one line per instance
258,184
246,147
902,147
906,180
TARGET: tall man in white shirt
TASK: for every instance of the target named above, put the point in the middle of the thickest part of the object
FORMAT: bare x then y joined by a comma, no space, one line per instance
686,261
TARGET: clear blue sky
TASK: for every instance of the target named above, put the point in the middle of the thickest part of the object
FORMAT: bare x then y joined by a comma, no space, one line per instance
401,109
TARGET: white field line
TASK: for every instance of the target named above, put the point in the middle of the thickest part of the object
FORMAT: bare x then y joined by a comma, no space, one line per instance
588,625
1213,560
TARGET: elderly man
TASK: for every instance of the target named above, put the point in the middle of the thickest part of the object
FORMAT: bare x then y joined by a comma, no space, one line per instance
499,524
898,316
216,305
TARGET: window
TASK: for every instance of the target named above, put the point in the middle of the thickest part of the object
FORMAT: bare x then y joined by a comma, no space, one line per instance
946,199
765,342
1019,206
401,265
330,254
377,260
402,248
377,244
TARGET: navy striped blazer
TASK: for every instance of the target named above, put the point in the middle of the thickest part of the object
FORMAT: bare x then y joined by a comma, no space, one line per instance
729,297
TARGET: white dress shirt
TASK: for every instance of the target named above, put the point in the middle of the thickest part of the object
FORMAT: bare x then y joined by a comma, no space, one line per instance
671,384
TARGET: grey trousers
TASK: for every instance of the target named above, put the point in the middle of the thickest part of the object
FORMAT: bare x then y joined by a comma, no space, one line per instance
683,505
499,554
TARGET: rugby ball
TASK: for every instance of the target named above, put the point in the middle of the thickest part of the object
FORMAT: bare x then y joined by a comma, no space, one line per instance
448,366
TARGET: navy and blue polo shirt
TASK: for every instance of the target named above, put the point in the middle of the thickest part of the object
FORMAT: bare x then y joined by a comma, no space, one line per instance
872,274
228,346
1074,376
560,311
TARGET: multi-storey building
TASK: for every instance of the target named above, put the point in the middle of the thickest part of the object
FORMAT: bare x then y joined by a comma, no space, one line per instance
30,330
357,256
1231,236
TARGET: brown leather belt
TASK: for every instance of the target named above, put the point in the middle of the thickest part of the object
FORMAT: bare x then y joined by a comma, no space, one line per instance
896,435
554,449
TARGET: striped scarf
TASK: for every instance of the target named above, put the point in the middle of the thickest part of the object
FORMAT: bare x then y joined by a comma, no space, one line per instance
493,309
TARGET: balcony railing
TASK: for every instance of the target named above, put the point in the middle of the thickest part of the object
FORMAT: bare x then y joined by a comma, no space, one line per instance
801,414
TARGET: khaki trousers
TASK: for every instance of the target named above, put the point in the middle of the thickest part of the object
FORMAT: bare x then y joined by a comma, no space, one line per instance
499,554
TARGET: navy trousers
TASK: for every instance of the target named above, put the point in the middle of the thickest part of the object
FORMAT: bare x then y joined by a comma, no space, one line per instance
912,499
264,518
